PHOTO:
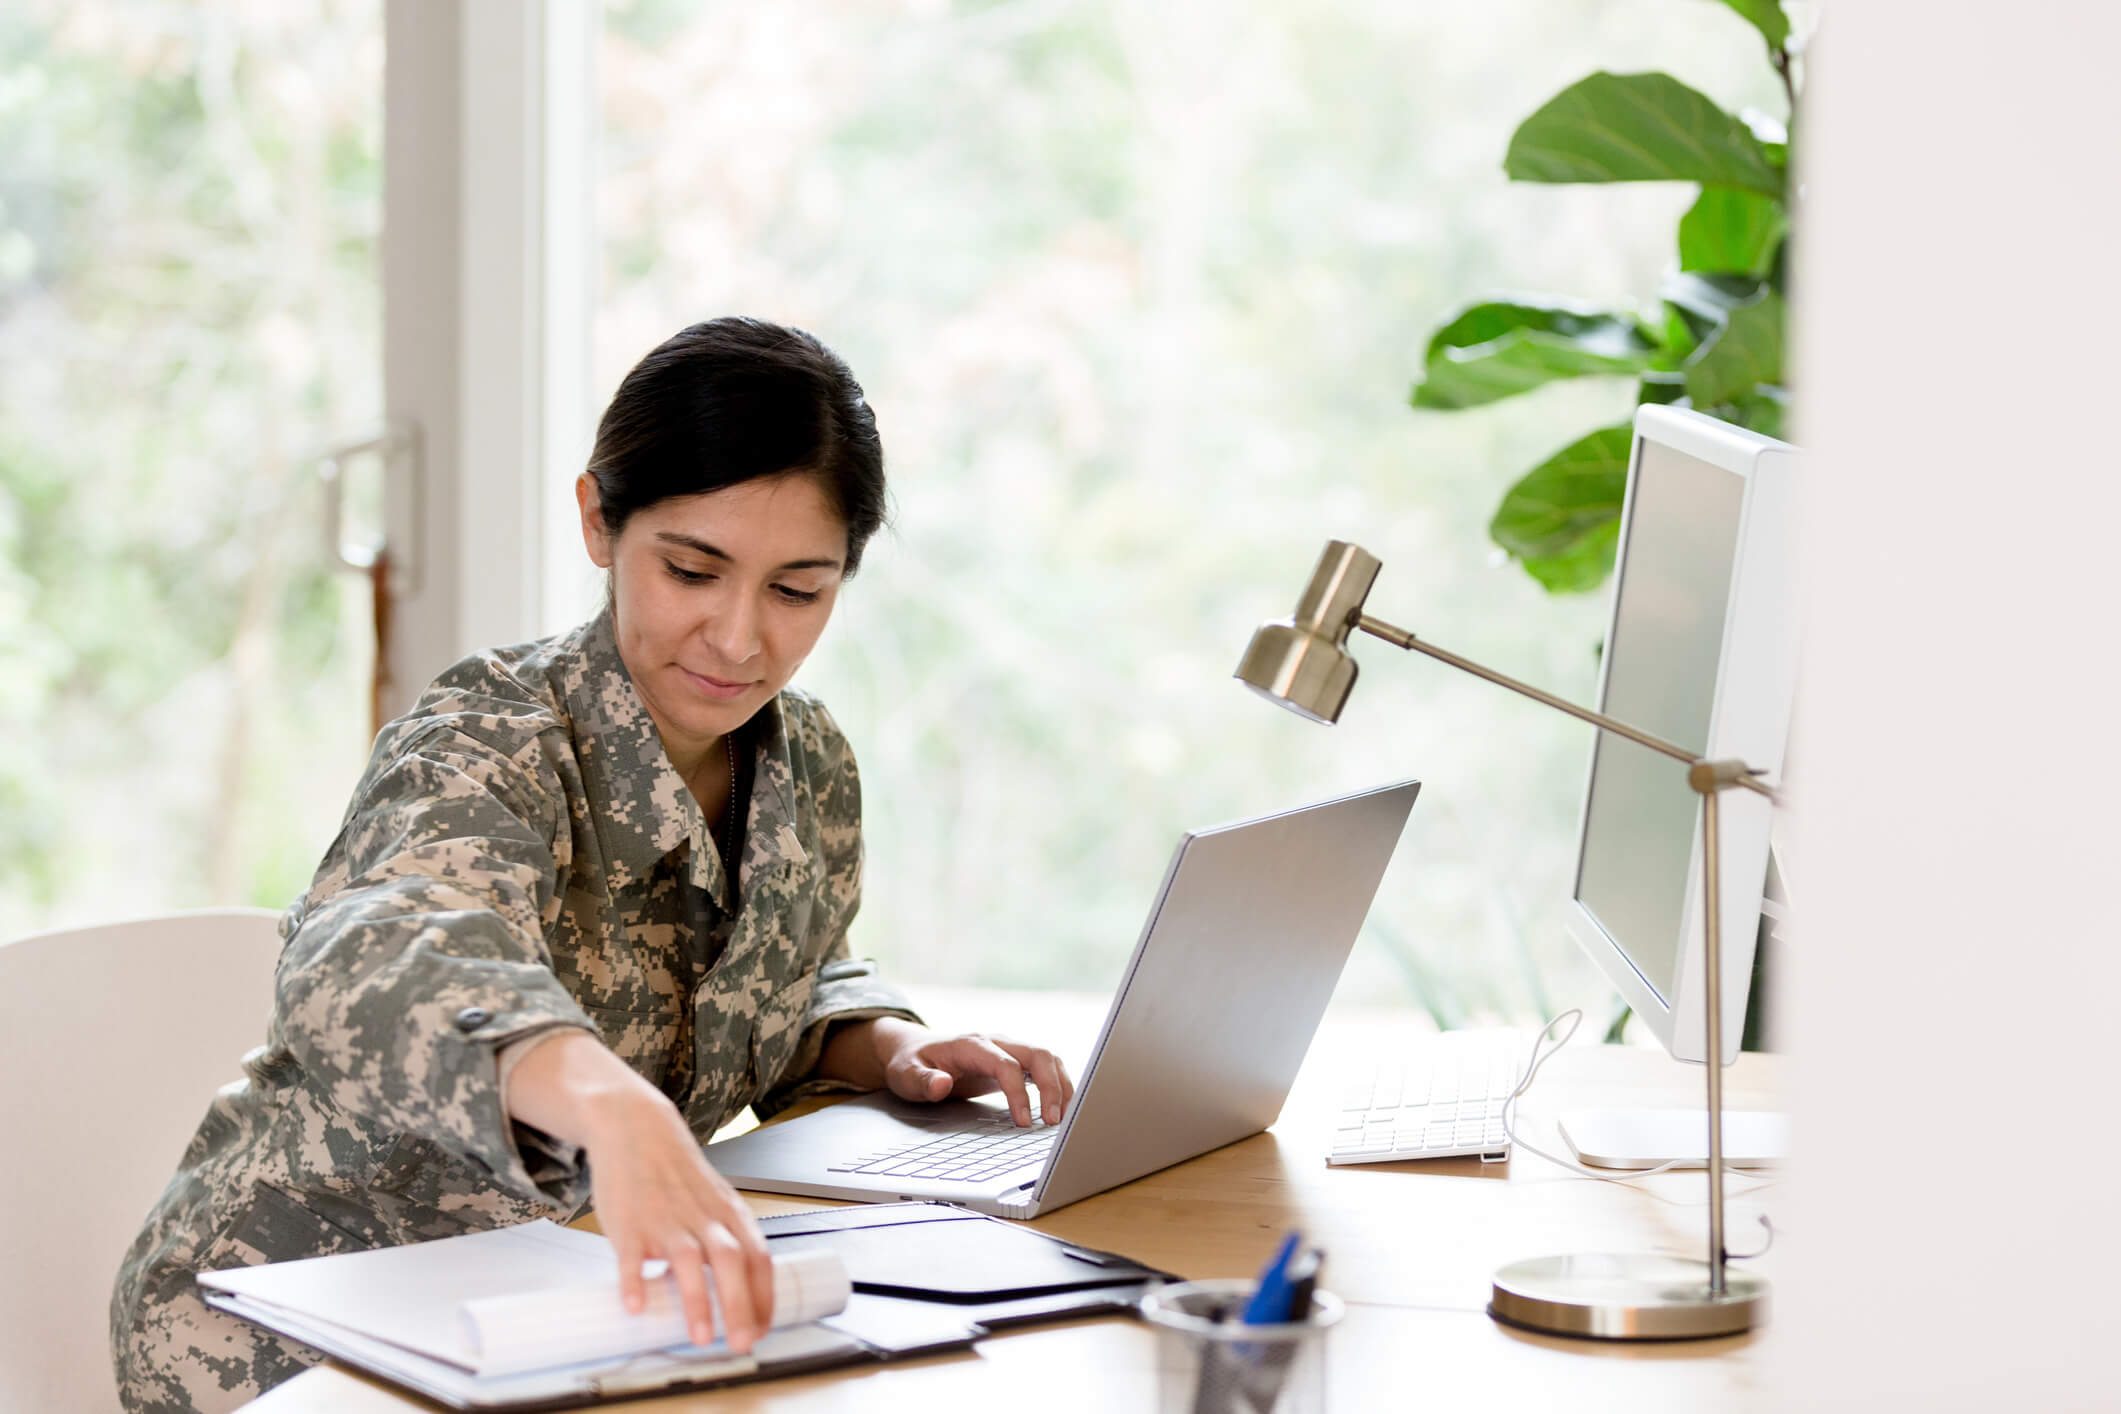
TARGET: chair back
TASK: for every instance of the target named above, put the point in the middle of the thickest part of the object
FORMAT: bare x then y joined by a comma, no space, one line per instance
113,1041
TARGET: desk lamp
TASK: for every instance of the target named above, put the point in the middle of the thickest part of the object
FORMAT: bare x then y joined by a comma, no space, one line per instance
1302,663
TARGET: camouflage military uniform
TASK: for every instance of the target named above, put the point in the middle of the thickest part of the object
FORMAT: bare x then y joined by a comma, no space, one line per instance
520,855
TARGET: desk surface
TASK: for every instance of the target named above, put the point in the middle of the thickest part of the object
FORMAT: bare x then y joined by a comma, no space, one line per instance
1410,1249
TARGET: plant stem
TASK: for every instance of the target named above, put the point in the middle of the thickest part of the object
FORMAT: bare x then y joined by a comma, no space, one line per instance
1779,56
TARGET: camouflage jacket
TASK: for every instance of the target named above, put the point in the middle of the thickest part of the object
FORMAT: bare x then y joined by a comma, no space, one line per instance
519,855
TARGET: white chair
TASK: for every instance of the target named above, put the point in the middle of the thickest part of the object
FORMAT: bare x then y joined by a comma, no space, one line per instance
112,1043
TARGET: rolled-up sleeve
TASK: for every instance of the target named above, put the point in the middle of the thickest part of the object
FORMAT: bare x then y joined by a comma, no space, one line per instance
398,989
845,988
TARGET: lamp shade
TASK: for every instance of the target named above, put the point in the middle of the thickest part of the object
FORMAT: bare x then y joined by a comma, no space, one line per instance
1309,675
1301,662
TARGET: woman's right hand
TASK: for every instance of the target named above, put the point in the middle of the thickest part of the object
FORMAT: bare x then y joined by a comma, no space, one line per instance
656,1196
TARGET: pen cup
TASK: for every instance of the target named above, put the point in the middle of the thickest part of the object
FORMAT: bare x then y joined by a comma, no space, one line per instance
1209,1362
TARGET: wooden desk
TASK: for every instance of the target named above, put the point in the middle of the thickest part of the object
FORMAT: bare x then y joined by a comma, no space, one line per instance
1410,1249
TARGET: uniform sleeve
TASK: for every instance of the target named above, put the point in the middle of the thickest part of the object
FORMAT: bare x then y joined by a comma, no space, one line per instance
421,953
846,988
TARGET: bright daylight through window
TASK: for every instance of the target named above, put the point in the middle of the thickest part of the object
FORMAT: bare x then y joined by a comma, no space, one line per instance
1138,292
189,204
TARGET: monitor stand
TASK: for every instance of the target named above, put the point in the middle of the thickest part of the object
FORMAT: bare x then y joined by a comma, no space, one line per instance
1644,1139
1647,1139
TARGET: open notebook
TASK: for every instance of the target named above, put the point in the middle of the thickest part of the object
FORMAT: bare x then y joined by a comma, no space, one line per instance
526,1317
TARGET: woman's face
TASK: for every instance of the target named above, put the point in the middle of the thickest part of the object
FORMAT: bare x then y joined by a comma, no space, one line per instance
718,598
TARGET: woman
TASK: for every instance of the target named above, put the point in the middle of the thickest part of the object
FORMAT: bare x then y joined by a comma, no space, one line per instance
590,901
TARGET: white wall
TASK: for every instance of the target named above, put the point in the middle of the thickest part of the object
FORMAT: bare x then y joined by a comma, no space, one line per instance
1951,1227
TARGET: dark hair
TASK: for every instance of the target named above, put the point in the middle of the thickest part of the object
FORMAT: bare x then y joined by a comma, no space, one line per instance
733,400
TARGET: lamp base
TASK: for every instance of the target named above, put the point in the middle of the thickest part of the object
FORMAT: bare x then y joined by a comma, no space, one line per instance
1625,1296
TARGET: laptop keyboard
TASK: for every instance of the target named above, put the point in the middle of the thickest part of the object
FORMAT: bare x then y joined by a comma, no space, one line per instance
982,1150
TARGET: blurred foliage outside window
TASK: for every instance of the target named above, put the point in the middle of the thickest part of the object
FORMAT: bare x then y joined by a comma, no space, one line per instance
189,202
1134,290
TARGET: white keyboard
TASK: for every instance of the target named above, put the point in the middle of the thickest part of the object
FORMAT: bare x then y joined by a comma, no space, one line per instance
1439,1098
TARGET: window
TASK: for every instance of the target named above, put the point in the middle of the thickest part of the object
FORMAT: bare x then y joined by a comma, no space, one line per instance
189,204
1137,292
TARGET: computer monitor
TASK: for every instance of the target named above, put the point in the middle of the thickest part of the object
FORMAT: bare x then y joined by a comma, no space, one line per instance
1701,651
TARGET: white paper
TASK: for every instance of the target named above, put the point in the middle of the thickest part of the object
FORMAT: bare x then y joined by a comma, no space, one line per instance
417,1297
536,1330
459,1388
411,1296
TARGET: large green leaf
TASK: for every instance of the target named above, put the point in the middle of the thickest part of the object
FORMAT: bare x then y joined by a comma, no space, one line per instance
1762,408
1582,567
1745,353
1661,388
1498,348
1676,338
1767,17
1566,498
1703,301
1726,230
1638,128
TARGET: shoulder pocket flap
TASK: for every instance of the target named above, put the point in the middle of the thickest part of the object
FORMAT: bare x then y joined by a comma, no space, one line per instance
277,1227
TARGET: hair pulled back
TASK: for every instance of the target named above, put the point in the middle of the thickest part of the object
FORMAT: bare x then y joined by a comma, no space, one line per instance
733,400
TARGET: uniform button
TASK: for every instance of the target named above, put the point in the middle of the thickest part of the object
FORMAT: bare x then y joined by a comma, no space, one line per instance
472,1018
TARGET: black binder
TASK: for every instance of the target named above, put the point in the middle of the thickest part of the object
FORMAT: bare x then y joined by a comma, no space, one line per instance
931,1276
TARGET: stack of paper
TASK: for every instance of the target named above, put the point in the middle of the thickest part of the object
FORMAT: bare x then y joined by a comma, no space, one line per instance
527,1314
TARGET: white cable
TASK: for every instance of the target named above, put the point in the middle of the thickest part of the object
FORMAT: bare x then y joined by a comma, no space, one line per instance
1542,1052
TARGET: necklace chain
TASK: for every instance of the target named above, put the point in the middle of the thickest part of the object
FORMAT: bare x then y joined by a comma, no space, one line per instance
729,852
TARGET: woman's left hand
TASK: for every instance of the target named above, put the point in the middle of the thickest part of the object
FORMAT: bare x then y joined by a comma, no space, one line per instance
918,1064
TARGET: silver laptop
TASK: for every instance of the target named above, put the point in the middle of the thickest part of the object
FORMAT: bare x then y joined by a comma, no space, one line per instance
1217,1007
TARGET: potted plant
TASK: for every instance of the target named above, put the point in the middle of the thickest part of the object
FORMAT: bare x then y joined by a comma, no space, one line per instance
1713,338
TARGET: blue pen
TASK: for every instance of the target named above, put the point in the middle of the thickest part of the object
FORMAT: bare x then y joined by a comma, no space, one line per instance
1302,1276
1223,1371
1269,1305
1283,1295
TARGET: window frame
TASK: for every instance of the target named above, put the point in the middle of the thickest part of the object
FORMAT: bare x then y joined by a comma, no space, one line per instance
488,277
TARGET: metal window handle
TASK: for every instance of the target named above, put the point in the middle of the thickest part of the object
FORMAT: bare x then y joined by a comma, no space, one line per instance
398,447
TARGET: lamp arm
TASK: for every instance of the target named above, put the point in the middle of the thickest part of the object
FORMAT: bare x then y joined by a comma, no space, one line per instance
1707,778
1400,638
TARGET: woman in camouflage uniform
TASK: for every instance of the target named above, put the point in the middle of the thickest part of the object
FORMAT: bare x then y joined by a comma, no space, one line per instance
590,900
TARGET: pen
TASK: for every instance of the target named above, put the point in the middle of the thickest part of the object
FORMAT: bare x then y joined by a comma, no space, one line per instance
1264,1370
1269,1305
1222,1380
1303,1280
